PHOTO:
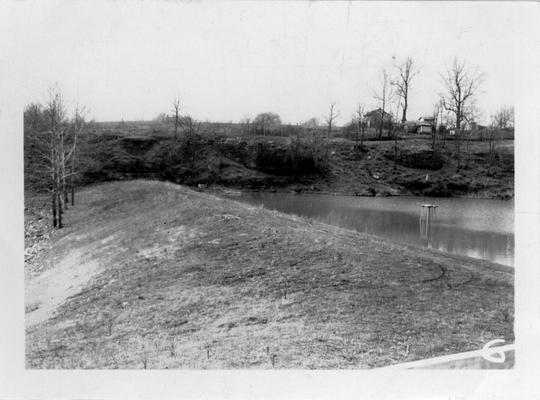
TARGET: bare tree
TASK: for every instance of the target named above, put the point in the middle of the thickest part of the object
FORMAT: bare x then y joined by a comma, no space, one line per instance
492,143
77,127
55,143
310,129
330,119
56,113
461,84
266,121
333,113
190,126
246,124
393,132
511,119
176,110
383,95
445,122
360,124
503,118
36,144
437,109
406,72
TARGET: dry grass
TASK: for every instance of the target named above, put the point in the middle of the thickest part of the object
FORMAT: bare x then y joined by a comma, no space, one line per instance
190,280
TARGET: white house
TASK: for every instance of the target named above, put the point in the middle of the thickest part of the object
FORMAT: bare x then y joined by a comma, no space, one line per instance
425,124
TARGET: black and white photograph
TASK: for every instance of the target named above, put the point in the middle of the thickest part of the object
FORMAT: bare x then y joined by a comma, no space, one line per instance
270,186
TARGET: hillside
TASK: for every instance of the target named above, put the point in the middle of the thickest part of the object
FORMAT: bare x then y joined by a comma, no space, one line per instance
291,164
154,275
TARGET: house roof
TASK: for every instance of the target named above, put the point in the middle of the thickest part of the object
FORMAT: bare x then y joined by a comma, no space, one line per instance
376,112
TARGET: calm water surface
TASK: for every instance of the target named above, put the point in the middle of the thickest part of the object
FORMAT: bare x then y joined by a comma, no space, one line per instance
476,228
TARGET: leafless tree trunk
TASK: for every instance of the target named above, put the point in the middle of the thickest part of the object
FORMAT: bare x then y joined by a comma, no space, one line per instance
360,111
54,217
53,184
331,119
436,112
190,126
395,134
406,71
60,210
60,178
383,95
54,142
78,125
55,109
176,110
503,118
461,85
73,184
246,125
457,148
73,163
64,191
492,149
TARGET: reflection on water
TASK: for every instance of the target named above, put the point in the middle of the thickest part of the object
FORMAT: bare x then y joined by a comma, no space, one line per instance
427,214
476,228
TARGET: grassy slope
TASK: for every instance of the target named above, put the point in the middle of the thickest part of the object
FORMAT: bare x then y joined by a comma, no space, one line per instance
354,174
189,280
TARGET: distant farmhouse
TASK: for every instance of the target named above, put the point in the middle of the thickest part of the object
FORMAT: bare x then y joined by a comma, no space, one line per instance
473,126
410,126
422,125
425,125
373,118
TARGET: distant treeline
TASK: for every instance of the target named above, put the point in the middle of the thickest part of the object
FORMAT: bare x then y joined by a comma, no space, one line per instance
234,129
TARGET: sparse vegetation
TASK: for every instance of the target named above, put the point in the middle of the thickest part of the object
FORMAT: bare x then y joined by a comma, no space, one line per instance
406,72
461,85
383,94
195,281
290,163
51,146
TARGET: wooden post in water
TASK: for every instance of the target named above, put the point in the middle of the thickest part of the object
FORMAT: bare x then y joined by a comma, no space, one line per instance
428,211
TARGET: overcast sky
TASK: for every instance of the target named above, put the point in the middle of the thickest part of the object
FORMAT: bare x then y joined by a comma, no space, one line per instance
229,60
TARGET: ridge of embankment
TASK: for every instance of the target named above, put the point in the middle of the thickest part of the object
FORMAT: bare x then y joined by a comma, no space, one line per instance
189,280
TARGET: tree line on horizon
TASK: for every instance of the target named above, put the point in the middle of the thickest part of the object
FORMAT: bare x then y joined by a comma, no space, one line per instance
455,107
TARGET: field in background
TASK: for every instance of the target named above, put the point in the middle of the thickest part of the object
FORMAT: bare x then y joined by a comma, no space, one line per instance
231,129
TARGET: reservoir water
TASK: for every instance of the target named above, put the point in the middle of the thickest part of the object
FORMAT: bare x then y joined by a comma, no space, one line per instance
477,228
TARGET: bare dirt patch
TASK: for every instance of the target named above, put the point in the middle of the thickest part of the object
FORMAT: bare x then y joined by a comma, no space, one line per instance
50,289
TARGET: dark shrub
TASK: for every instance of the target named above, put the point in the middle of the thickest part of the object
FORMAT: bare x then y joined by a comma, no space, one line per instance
426,159
414,184
300,158
438,189
458,186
